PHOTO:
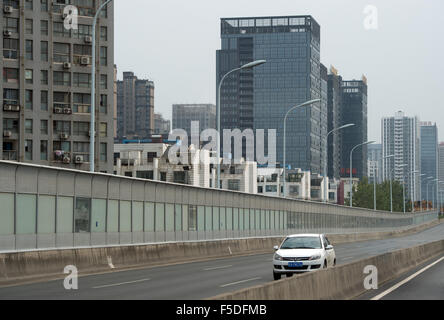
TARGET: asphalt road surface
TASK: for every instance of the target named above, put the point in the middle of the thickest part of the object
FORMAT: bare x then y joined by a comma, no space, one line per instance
199,280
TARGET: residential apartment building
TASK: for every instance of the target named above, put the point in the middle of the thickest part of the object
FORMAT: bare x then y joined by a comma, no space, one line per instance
46,101
375,163
270,182
135,107
161,125
259,98
401,138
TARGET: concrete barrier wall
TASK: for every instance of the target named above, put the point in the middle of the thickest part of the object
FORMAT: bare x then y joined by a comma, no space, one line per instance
45,208
343,282
31,266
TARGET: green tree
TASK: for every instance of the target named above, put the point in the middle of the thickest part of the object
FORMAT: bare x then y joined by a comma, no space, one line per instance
363,196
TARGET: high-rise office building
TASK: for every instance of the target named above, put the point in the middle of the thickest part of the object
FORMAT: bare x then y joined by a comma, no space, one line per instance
334,121
429,154
46,101
441,162
375,163
259,98
401,138
354,110
135,107
161,125
184,114
323,120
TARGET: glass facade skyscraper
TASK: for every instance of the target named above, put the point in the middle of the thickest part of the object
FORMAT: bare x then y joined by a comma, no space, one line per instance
260,98
354,110
429,155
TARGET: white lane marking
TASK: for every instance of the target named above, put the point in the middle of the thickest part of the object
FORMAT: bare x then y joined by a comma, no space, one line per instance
229,249
121,284
382,295
217,268
239,282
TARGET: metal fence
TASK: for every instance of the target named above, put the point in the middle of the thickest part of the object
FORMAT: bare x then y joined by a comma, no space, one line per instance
43,208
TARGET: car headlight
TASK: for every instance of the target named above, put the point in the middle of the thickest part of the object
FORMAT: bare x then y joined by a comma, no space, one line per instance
316,257
277,257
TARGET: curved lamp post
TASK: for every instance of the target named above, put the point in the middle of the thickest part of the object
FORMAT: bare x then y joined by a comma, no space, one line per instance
250,65
326,157
351,168
308,103
93,91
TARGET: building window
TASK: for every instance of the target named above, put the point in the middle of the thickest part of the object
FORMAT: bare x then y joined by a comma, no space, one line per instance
80,51
44,27
44,51
28,150
29,76
270,188
44,5
10,48
44,77
103,152
81,128
103,130
44,127
29,50
83,31
103,81
82,103
60,30
10,75
28,26
234,185
62,100
163,176
82,148
28,99
82,80
44,100
62,78
61,52
11,125
145,175
44,150
103,56
62,127
104,33
28,5
11,24
11,96
103,103
28,126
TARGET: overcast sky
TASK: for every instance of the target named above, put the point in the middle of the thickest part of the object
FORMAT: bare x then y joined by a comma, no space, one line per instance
173,43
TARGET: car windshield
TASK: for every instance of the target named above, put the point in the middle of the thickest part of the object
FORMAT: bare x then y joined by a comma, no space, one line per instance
302,243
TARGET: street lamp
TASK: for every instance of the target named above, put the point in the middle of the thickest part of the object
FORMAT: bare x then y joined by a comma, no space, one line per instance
412,200
250,65
326,157
93,90
420,182
351,168
305,104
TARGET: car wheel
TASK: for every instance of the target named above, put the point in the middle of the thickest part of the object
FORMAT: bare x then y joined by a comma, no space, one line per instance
334,263
325,264
289,275
276,276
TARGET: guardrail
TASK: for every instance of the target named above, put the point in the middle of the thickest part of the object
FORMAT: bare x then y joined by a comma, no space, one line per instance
45,207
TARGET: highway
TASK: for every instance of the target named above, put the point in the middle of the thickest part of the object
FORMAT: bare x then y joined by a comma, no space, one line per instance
425,282
199,280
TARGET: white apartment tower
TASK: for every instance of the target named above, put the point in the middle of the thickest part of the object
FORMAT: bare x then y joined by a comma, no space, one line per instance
401,138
